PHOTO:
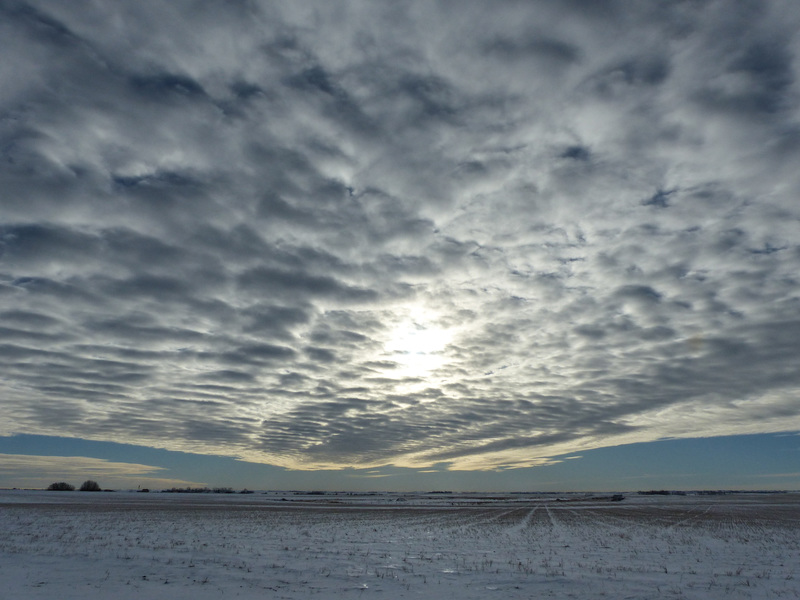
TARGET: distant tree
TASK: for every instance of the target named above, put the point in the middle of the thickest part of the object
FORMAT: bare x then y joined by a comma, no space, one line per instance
61,487
90,486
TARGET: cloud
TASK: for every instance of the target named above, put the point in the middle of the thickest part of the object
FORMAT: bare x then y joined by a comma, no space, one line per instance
223,225
40,471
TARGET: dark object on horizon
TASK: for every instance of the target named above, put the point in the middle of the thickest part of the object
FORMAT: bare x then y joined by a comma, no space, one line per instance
90,486
191,490
613,498
61,486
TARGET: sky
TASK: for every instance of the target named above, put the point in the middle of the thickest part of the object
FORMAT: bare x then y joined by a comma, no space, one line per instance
342,244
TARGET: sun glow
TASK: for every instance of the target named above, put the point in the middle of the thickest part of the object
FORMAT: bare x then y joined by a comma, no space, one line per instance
417,347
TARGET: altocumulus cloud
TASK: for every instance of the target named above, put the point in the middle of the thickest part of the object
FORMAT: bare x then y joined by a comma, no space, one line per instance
328,234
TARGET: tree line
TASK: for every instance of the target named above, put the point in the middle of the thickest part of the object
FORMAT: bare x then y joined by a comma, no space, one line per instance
86,486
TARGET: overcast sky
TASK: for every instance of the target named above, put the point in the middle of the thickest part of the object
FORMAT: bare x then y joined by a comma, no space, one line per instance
362,234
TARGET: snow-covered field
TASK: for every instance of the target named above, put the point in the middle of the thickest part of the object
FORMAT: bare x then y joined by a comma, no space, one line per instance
125,545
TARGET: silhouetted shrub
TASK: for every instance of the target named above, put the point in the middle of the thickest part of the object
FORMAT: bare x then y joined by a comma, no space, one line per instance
90,486
61,486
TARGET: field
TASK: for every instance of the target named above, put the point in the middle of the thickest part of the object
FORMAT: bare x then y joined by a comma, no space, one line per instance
71,545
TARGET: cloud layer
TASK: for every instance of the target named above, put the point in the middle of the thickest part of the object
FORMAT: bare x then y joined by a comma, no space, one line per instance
41,471
330,234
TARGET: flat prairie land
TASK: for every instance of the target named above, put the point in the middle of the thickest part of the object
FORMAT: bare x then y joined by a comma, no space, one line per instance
71,545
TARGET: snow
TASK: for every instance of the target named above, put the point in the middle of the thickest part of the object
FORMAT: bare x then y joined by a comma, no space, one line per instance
445,546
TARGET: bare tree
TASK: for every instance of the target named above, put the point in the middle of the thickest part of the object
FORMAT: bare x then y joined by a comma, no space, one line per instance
61,486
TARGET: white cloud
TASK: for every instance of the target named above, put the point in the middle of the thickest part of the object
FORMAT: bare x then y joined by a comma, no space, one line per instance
40,471
218,221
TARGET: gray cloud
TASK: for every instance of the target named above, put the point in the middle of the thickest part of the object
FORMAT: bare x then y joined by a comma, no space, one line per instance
347,234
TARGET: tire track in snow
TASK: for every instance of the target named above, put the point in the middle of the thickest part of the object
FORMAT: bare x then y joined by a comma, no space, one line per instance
557,526
523,525
693,516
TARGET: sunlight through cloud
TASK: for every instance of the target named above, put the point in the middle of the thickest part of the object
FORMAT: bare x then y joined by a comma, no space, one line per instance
417,345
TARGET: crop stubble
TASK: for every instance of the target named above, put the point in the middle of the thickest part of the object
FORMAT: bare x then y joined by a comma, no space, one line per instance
740,545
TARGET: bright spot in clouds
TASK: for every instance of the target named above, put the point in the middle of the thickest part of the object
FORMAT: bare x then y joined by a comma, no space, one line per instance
321,245
418,346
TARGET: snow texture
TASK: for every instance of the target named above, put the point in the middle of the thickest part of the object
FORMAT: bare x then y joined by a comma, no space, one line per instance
72,545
